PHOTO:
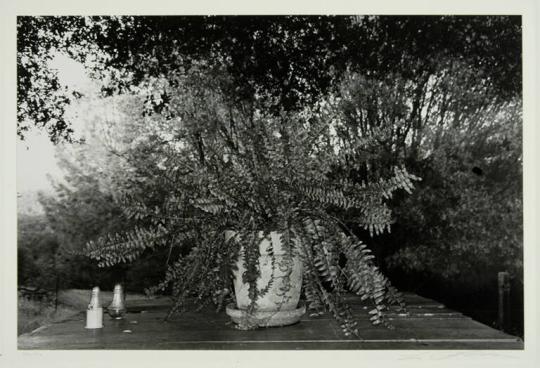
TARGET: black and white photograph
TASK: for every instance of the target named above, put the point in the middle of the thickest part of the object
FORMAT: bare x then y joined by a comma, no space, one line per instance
270,182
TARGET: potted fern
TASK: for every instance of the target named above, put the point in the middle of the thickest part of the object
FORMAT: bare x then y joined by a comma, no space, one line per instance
256,199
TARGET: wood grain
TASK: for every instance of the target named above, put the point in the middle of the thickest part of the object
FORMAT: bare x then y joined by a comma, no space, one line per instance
425,324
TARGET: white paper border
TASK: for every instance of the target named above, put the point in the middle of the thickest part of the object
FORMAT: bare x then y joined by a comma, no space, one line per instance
11,357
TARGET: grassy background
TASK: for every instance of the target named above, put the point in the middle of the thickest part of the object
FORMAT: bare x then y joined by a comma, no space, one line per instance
33,314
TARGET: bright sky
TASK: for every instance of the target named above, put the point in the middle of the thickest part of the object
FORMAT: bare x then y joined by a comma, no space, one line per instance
35,159
36,155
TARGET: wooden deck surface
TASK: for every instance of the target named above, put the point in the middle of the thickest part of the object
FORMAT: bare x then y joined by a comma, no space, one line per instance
426,325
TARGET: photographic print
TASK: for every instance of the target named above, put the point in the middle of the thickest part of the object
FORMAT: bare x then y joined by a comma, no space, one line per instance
270,182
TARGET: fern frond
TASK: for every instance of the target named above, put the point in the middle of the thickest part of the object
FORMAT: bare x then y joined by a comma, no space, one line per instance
126,247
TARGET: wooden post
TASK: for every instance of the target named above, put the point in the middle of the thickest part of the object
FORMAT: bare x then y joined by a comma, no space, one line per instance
57,284
56,289
504,300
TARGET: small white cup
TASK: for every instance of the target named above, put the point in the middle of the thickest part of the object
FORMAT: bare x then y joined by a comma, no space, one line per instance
94,318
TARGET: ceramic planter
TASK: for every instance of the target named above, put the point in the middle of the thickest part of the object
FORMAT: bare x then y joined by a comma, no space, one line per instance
279,305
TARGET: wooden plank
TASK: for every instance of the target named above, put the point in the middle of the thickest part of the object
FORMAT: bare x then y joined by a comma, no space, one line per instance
162,343
408,298
426,326
204,328
301,335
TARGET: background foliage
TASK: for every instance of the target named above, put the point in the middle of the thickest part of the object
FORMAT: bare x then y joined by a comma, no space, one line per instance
441,95
293,59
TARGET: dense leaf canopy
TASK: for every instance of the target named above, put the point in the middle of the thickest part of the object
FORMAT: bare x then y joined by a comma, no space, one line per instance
292,59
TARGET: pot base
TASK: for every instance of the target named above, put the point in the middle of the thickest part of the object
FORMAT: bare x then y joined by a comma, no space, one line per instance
265,318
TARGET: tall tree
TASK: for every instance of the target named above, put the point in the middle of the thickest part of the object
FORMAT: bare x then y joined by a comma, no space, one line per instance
291,60
85,202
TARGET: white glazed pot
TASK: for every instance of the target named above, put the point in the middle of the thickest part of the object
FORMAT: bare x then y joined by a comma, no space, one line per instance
275,299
